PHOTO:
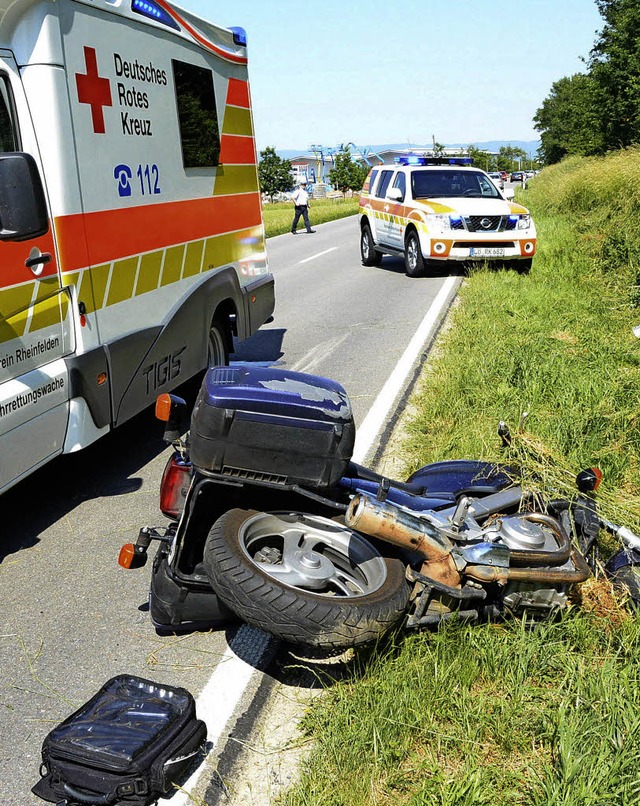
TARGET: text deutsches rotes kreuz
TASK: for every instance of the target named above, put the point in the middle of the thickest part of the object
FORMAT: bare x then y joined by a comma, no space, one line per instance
132,100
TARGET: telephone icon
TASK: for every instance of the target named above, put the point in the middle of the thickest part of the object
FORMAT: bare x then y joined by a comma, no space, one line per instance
123,174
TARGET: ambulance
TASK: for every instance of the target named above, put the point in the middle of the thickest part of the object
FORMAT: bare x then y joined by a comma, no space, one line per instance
131,237
432,210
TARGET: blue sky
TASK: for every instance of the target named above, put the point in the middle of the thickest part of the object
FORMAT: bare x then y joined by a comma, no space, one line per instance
376,72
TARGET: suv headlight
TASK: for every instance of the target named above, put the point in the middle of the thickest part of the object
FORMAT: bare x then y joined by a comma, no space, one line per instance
438,222
524,222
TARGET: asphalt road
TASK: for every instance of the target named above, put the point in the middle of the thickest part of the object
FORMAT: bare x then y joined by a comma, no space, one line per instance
71,617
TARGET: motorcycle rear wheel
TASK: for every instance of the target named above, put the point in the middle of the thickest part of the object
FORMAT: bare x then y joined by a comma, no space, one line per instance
303,578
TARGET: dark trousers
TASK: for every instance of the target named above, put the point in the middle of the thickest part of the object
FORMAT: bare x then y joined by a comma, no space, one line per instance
301,210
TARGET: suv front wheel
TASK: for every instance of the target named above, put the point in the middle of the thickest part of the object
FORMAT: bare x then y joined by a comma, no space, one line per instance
369,254
414,264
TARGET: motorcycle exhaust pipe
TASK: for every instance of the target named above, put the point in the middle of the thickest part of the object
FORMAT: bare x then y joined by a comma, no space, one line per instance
379,519
549,576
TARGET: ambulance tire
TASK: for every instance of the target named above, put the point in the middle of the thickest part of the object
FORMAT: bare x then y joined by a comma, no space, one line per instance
217,351
414,263
354,597
369,254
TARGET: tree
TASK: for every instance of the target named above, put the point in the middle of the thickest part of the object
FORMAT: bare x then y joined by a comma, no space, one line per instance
347,174
479,158
569,120
589,114
509,158
274,173
614,66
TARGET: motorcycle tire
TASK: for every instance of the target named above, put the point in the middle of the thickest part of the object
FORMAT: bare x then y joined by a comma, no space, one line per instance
305,579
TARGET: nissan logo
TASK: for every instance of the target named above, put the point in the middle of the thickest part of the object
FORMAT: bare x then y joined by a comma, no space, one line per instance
485,223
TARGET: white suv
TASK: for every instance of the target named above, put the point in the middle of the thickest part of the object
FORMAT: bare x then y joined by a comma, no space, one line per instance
433,210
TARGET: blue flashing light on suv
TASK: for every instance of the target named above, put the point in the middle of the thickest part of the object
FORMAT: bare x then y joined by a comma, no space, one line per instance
415,159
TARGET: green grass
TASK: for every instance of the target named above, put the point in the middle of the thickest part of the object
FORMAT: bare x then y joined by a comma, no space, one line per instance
513,714
279,216
495,715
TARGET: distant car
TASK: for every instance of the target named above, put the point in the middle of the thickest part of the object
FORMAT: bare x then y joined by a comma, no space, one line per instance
517,176
497,179
432,210
505,176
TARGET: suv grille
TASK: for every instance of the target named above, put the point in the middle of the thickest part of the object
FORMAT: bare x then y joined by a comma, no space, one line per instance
485,223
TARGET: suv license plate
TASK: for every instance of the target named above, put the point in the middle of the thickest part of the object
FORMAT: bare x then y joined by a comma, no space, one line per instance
487,251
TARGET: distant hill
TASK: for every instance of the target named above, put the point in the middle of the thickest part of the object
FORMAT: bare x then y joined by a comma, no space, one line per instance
529,146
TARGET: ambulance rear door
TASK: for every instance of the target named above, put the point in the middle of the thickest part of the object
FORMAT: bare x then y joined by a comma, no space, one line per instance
35,311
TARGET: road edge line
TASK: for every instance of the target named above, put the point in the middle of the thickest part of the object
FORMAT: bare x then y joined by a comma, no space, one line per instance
377,416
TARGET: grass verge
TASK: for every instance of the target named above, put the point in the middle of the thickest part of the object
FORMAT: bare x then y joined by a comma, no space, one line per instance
517,714
279,216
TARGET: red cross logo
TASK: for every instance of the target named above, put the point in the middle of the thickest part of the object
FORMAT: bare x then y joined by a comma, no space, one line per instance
94,90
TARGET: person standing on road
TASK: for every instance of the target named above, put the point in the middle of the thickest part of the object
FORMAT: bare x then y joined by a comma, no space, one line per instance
300,198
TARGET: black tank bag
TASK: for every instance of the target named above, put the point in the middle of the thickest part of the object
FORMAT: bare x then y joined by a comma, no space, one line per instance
125,747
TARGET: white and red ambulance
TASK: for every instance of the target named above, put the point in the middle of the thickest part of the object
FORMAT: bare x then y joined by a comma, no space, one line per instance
131,235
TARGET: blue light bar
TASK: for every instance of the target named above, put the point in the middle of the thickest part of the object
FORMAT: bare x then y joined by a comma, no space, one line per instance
414,159
154,12
514,218
239,36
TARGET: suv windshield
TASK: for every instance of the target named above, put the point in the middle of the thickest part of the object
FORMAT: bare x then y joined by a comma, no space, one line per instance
430,184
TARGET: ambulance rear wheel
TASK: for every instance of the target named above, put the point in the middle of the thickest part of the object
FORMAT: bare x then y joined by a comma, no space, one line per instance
217,352
414,264
369,254
306,579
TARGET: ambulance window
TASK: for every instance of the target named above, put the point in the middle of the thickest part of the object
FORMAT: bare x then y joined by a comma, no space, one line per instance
372,181
385,178
199,130
9,140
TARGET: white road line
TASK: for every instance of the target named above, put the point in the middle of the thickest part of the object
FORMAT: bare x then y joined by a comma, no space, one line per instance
313,257
222,695
379,411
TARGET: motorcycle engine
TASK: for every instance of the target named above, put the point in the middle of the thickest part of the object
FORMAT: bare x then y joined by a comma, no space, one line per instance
521,534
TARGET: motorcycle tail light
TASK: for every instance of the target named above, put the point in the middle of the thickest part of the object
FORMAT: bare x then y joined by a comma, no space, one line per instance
174,486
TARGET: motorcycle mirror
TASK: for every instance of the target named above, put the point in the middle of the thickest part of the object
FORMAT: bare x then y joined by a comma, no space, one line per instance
588,481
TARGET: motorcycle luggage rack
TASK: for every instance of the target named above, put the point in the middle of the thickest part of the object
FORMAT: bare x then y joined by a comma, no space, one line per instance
425,587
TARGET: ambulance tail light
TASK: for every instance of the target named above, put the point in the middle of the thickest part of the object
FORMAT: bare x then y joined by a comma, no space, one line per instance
174,486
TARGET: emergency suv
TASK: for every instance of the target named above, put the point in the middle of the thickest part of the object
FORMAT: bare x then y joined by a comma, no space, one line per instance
432,210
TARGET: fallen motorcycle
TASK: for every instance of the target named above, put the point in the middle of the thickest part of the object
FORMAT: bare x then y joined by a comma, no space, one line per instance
272,523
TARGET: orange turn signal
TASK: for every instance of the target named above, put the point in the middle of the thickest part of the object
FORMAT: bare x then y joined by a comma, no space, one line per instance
163,407
127,555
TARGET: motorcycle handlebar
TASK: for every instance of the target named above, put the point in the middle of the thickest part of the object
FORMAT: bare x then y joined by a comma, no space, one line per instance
624,535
